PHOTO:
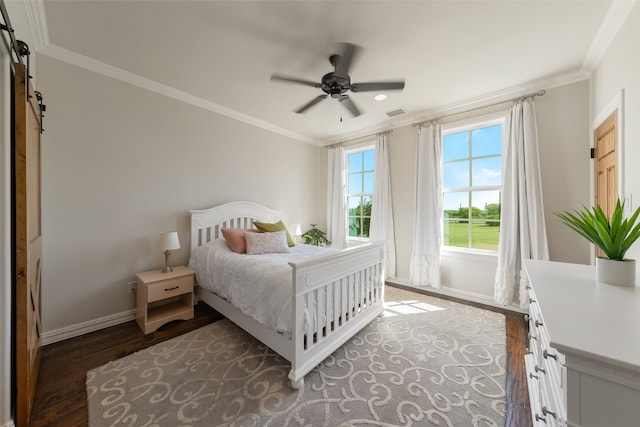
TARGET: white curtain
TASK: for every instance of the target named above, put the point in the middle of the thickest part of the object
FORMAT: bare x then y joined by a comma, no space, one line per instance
382,211
424,268
522,229
336,181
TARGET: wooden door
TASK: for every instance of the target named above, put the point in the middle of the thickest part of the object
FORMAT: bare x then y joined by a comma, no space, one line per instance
606,165
28,244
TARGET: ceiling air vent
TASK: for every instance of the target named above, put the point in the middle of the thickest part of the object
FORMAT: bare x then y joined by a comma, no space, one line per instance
396,112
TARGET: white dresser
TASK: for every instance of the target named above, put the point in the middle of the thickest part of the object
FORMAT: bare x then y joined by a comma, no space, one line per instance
583,362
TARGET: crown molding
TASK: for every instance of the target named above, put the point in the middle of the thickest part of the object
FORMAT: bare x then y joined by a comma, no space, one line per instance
90,64
613,21
611,24
38,23
81,61
504,95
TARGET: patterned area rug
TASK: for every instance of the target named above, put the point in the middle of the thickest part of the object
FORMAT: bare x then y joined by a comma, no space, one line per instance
426,362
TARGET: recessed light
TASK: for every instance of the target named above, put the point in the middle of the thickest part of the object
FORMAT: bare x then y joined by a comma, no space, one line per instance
380,97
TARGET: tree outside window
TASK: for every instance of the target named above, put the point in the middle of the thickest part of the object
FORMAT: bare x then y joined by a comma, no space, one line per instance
472,184
360,174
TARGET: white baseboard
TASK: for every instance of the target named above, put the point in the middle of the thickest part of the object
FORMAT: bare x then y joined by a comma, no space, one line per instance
72,331
9,424
459,293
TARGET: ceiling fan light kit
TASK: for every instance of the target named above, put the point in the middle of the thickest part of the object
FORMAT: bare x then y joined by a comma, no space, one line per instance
337,83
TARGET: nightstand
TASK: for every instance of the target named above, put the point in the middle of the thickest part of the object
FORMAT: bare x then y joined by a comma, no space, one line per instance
163,297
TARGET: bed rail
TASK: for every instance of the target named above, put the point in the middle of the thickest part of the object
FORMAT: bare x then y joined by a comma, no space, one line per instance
341,292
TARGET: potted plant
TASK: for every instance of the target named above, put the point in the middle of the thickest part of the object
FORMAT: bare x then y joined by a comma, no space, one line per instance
316,237
613,237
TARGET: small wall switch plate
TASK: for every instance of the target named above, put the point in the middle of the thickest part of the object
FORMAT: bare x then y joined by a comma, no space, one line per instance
132,286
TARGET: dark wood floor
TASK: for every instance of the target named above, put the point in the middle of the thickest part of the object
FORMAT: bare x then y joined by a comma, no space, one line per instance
61,398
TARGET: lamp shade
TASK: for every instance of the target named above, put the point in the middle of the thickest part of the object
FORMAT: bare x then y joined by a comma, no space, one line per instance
169,241
295,230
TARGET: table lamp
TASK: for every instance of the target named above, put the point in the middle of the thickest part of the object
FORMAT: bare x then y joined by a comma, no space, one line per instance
168,242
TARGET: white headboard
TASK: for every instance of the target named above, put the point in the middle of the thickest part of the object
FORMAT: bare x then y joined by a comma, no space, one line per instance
206,223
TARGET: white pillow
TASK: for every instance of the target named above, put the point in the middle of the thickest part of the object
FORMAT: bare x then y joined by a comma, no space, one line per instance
266,243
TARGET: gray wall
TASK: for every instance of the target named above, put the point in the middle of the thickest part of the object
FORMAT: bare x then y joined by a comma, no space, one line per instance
619,73
121,164
563,134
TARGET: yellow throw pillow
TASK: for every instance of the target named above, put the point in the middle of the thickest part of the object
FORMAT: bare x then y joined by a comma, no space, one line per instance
265,227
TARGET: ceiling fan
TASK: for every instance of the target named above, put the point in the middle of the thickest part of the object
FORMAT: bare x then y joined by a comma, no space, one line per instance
337,83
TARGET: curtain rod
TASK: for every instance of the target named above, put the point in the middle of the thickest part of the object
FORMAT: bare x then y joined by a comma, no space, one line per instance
338,144
516,99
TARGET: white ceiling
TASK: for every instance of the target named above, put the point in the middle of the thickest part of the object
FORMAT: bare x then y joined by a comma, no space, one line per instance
220,54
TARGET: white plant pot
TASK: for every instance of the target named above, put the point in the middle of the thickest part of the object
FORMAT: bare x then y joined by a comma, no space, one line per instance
616,272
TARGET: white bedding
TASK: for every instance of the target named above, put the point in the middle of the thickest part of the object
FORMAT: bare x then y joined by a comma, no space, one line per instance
258,285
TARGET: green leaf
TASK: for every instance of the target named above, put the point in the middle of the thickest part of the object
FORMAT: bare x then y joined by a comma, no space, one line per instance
614,237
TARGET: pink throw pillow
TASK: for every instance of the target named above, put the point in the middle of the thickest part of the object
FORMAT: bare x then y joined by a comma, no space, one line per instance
235,238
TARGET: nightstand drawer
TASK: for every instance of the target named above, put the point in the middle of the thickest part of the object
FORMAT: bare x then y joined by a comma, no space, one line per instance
169,288
164,297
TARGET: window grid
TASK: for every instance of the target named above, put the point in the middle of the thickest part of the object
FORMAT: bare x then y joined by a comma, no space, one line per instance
472,189
359,193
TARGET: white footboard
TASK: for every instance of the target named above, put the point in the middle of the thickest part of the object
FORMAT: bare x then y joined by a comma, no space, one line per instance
341,293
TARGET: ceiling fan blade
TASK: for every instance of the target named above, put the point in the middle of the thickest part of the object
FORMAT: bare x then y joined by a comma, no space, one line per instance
367,87
310,104
281,78
349,105
345,59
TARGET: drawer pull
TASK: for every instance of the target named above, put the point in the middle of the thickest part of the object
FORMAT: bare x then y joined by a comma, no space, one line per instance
538,323
531,337
532,375
545,411
171,289
547,355
527,287
540,418
531,300
539,369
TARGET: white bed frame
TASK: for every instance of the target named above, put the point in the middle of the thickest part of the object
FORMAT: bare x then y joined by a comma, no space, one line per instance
353,275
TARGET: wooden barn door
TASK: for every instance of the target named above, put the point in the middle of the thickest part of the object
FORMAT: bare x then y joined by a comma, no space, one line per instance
28,244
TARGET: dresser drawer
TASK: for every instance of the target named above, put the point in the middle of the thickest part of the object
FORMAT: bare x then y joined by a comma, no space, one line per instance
553,363
534,340
169,288
546,408
551,410
545,371
533,384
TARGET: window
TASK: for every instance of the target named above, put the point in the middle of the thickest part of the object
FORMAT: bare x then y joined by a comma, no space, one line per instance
472,184
360,173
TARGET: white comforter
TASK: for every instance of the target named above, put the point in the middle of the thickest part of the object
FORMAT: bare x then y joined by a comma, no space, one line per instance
258,285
